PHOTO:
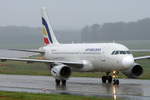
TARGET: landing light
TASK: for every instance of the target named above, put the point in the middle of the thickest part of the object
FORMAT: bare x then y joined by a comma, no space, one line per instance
114,74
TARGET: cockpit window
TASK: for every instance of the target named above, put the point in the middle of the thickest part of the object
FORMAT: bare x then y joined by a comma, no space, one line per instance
117,52
128,52
113,52
120,52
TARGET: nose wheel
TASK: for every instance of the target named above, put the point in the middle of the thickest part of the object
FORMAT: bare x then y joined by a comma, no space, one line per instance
111,78
115,82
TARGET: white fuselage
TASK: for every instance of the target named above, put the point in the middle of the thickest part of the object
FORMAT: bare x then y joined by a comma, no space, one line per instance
99,55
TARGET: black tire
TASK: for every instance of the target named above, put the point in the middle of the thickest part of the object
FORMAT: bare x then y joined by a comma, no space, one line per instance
109,79
63,83
104,79
57,82
116,82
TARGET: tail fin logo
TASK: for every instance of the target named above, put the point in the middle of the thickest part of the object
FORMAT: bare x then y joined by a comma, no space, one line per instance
46,32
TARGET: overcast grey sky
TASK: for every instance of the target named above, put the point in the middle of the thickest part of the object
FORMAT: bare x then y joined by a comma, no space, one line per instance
72,14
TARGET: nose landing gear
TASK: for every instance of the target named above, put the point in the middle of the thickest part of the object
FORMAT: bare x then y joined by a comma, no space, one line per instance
116,82
108,78
115,78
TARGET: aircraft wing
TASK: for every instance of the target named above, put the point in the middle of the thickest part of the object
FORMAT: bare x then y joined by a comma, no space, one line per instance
28,50
142,57
140,50
69,63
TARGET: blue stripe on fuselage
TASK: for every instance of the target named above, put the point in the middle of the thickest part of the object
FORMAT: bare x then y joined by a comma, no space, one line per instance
47,29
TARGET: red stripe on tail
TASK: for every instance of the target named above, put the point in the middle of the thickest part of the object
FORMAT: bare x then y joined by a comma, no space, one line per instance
46,41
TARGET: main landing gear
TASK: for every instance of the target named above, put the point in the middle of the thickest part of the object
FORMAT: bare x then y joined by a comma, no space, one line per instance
109,79
60,83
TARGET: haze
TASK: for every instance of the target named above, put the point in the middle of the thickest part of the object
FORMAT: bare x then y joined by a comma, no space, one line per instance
72,14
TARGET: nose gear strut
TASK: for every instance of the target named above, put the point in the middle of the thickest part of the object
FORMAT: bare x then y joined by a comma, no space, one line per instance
115,78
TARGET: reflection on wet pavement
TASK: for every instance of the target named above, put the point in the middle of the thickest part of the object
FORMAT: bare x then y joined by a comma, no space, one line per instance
127,90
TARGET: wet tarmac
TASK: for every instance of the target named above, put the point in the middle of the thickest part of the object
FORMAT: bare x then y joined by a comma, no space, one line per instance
129,89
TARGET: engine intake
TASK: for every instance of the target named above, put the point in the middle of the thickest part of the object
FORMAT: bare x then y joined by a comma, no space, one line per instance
134,72
65,71
61,71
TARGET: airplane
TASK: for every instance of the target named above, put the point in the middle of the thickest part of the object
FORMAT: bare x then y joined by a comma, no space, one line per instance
63,59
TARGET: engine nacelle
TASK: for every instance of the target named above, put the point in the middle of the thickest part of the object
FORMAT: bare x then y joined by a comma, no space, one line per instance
61,71
134,72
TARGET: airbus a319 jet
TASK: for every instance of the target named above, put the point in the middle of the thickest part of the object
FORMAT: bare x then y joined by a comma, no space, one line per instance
63,59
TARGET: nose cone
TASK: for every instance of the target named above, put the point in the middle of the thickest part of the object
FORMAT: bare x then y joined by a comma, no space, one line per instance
128,61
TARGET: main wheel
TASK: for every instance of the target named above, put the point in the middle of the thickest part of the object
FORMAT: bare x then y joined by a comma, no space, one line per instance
104,78
64,83
57,82
109,78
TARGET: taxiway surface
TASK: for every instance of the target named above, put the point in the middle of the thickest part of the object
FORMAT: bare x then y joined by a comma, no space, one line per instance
129,89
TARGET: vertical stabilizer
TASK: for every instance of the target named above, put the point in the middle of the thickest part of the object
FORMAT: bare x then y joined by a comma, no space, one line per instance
49,36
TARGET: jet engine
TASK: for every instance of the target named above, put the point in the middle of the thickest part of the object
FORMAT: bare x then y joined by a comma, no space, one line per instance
61,71
134,72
